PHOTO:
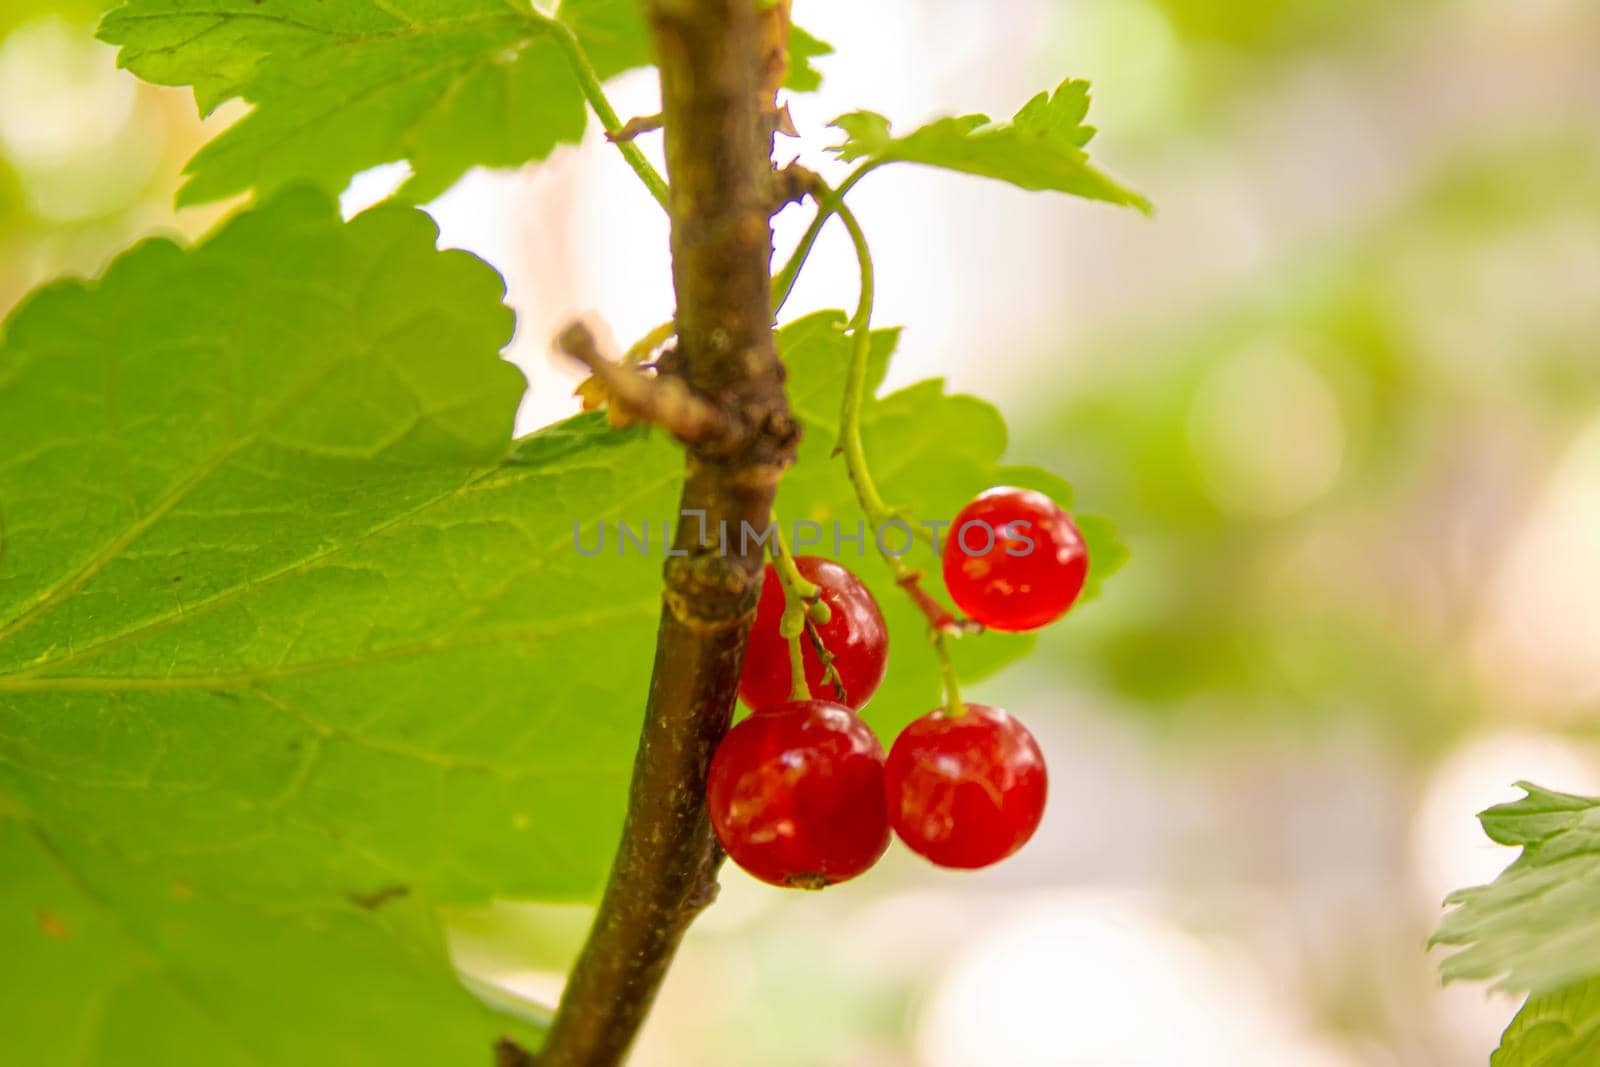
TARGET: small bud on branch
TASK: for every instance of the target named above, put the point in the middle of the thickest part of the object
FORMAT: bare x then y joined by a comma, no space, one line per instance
635,127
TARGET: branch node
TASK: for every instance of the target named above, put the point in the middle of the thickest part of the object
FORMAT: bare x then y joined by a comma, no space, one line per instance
663,400
790,185
779,120
507,1053
704,896
634,127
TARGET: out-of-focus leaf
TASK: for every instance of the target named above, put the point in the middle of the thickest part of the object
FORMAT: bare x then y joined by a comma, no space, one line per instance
1536,928
341,87
1560,1029
804,77
1041,148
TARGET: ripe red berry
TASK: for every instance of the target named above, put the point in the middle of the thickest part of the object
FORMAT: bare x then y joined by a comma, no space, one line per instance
1014,560
855,635
796,795
965,790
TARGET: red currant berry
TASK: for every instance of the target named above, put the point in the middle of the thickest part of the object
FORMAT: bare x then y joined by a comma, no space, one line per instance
965,790
854,635
1013,560
796,795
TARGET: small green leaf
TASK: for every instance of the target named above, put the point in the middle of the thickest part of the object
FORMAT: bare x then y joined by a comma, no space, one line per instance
804,77
1536,928
1041,148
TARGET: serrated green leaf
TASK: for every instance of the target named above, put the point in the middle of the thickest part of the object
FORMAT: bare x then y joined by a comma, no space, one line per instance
341,87
804,77
1041,148
1559,1029
1536,928
277,659
931,452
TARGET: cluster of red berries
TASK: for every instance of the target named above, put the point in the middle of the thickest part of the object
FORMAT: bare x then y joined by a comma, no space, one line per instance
801,793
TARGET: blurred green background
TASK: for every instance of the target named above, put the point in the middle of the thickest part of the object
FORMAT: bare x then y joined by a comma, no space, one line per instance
1342,396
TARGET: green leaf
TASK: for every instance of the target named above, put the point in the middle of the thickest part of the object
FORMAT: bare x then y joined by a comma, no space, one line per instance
341,87
613,33
288,654
803,76
1536,928
1041,148
931,452
1559,1029
110,961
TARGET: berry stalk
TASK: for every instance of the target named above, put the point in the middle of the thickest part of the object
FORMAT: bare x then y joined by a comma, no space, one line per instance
783,281
940,622
799,597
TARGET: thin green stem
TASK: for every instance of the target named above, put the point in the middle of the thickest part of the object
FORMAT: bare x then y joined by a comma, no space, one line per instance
953,707
855,456
798,593
798,688
794,583
872,503
589,82
783,281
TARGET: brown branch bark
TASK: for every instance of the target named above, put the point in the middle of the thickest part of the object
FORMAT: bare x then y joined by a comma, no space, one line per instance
666,401
714,96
